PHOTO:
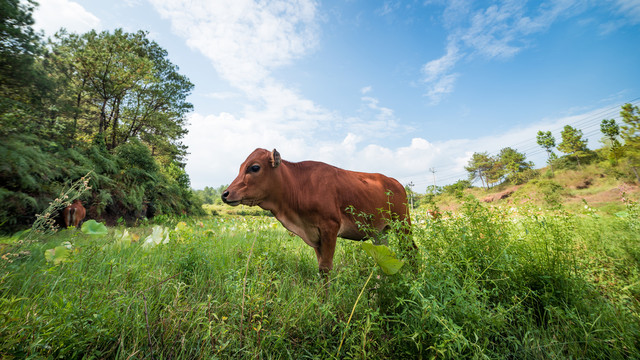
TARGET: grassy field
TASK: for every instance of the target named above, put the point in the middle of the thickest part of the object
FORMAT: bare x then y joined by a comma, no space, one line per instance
489,282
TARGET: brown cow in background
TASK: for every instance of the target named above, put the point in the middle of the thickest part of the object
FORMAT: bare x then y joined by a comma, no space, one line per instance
74,213
311,199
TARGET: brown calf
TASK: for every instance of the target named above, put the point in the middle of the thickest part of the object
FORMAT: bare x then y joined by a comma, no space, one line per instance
312,200
74,213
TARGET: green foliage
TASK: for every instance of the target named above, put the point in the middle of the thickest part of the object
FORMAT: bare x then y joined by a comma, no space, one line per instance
514,167
631,130
547,191
480,167
384,257
20,81
573,143
457,189
109,103
611,130
59,254
487,283
509,165
28,174
143,97
631,134
92,227
546,140
210,195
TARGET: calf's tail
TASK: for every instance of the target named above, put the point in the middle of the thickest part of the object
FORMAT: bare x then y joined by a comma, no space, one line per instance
72,217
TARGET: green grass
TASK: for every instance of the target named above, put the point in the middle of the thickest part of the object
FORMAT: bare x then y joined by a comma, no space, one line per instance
489,282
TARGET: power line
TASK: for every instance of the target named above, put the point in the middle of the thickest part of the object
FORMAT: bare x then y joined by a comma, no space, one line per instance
589,125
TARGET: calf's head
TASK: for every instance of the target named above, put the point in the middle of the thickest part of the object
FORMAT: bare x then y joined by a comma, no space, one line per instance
256,179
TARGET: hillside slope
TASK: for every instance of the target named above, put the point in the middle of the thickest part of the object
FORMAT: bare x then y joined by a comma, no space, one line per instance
596,187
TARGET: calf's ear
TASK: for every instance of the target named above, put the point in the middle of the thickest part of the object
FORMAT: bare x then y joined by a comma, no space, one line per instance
275,158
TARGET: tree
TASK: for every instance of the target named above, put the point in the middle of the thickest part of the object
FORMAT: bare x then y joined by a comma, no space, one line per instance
572,142
480,167
631,134
548,142
611,130
122,86
111,103
513,165
23,85
18,46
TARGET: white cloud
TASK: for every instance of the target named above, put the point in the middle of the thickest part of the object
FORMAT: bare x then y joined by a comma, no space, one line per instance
383,112
247,40
52,15
436,74
244,39
219,143
630,9
223,95
498,31
435,69
388,7
442,86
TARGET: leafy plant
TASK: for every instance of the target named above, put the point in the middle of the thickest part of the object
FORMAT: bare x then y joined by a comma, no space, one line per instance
159,235
92,227
384,257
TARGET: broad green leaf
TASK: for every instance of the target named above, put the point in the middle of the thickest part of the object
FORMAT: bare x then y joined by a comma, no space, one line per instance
159,235
384,257
122,237
57,254
93,227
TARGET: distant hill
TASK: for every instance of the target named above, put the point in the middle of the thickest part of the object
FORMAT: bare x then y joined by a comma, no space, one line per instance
599,187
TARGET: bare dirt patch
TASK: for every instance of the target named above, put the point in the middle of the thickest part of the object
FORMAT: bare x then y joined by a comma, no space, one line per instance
501,195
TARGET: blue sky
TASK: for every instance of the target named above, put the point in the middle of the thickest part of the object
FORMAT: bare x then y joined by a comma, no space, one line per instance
397,87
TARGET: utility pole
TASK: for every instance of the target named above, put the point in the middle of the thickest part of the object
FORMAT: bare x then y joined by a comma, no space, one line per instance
433,171
410,186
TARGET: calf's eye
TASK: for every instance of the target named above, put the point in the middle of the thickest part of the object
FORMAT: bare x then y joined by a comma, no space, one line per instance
254,168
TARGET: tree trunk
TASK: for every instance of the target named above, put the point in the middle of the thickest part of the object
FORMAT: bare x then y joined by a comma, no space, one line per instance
76,114
115,124
103,117
635,171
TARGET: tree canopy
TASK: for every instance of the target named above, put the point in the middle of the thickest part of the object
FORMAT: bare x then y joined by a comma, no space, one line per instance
546,140
513,165
572,142
110,102
631,134
479,168
120,86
